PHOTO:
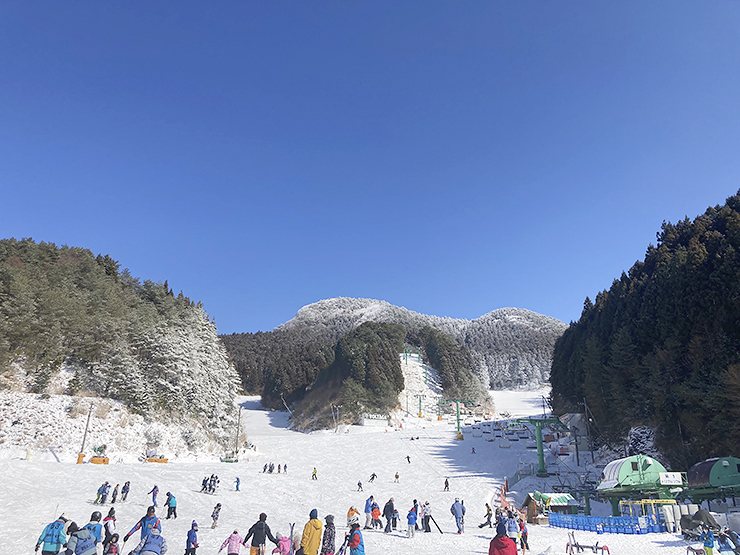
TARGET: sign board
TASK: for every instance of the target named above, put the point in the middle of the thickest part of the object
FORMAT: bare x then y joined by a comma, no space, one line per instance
670,479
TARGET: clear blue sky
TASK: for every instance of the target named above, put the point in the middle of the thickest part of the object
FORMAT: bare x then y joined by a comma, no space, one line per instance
449,157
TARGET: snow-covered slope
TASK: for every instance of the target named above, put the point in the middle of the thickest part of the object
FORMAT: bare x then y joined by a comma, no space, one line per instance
36,491
512,346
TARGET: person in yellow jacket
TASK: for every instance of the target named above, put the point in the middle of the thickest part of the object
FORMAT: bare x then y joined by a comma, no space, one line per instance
311,540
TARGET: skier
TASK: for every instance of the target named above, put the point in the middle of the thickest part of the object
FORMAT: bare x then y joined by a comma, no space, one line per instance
237,483
395,518
111,548
191,543
284,545
233,543
411,520
259,532
154,492
313,474
354,540
146,524
311,538
115,494
285,469
372,477
171,504
376,516
473,452
80,542
151,544
106,491
388,510
359,485
100,492
328,543
512,527
396,477
427,516
458,511
96,529
264,468
279,468
204,484
124,491
368,512
708,538
109,526
215,514
447,485
724,543
524,534
408,458
489,514
53,536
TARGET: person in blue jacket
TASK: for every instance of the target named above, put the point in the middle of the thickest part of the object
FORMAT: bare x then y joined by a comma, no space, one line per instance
708,538
146,524
124,491
368,512
171,504
95,527
80,542
192,542
154,492
53,536
411,520
458,511
512,527
153,544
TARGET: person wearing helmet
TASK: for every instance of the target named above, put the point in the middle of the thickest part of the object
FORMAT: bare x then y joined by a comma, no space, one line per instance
146,524
111,548
152,544
96,529
80,542
328,543
354,538
53,537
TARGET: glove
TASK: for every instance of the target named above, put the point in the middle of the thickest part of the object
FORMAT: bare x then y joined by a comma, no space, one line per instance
126,537
37,546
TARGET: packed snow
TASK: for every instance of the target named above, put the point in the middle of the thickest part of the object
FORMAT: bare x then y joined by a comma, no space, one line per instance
423,451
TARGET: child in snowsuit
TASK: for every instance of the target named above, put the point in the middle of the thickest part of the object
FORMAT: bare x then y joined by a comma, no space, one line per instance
283,547
411,520
215,514
124,491
115,494
191,543
111,547
376,516
233,543
327,545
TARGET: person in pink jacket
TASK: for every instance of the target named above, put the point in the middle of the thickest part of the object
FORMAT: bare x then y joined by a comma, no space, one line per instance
233,543
283,547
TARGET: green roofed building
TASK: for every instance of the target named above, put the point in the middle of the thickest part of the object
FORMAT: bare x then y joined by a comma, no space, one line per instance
714,479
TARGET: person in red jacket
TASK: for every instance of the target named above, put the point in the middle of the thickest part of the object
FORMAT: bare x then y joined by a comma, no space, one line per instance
501,544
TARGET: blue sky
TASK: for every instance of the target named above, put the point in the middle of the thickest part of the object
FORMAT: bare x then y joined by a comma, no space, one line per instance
449,157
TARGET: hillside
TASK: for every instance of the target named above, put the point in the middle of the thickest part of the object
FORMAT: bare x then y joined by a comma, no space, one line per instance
73,324
662,345
511,347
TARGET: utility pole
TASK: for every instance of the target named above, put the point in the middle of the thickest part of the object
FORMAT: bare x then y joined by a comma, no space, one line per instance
81,455
457,405
588,434
420,398
236,440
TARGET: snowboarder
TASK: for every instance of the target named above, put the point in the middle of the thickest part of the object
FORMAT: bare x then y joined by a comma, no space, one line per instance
115,494
489,515
259,532
354,539
191,543
329,541
215,514
237,483
447,485
458,511
154,492
411,520
311,538
124,491
368,512
81,541
109,526
388,510
233,543
171,504
53,537
359,485
146,524
314,474
151,544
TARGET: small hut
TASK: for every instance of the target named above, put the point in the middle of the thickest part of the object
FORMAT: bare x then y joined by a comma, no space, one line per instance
538,504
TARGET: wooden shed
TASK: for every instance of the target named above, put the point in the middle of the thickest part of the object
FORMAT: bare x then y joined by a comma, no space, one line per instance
544,503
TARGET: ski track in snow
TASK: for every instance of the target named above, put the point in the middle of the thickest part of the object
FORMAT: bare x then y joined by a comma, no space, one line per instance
35,492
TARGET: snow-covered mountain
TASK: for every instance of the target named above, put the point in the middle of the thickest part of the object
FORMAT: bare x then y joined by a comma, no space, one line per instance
512,346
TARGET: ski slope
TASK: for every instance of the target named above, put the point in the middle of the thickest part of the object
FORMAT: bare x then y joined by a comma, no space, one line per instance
34,492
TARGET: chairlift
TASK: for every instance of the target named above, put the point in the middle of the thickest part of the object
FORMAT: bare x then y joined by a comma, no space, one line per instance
504,443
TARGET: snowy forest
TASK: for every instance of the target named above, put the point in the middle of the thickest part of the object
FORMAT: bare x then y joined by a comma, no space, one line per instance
662,345
74,323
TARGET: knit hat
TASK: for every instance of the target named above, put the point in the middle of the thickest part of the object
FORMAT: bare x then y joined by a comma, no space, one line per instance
330,519
194,525
501,528
313,514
